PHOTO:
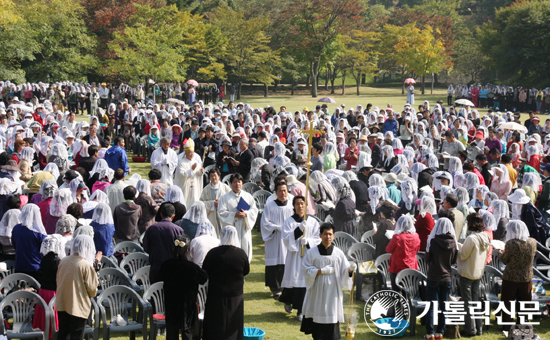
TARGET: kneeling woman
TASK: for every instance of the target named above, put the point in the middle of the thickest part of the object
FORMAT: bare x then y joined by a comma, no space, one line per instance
181,284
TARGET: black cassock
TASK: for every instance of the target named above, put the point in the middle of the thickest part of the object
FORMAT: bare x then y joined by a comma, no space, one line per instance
181,281
224,312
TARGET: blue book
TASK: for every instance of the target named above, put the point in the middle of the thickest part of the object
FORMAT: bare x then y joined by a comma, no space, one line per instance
243,205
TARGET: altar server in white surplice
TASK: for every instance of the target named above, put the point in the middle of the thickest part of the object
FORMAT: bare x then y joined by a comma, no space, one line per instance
297,232
166,160
274,215
242,220
326,271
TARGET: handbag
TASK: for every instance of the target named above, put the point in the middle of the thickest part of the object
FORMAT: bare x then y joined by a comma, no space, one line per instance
521,332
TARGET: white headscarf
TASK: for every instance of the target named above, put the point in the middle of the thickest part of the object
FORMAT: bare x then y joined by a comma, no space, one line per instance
427,206
98,166
488,220
9,220
144,185
31,218
52,167
376,195
62,198
405,224
517,230
47,189
103,214
174,194
409,190
500,210
463,197
206,229
83,246
55,243
442,226
532,180
230,237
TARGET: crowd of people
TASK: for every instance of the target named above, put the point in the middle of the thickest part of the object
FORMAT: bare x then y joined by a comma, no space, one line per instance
443,182
502,97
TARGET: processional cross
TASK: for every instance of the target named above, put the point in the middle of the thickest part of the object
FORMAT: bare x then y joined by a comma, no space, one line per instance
310,132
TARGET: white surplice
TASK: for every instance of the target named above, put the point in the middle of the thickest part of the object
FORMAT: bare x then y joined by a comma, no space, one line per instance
208,197
273,219
324,297
293,277
227,208
166,163
189,180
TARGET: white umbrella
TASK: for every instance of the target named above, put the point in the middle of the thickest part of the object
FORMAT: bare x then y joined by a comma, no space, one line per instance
177,101
23,107
513,126
464,102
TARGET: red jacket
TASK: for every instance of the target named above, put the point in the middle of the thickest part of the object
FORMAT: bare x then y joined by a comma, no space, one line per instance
403,249
481,179
424,226
37,118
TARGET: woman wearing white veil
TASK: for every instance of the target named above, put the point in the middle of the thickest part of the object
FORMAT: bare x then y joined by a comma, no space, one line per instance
26,238
441,254
403,247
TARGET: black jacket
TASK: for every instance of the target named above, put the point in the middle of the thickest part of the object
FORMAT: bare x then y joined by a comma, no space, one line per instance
245,164
426,177
376,155
486,174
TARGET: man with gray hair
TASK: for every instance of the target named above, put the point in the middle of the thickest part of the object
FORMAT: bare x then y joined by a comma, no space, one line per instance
243,161
165,160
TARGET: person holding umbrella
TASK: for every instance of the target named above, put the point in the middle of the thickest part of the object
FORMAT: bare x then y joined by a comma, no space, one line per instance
191,92
410,91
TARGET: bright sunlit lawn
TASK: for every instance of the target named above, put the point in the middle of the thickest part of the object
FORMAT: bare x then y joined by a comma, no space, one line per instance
261,311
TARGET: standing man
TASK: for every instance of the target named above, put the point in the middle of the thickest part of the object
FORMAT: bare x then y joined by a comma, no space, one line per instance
189,173
297,233
159,238
242,220
114,191
165,160
274,215
116,156
243,161
104,96
326,269
376,152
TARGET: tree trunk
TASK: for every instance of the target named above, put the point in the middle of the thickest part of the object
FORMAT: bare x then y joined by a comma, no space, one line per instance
435,78
423,83
266,89
332,86
239,89
292,85
358,81
314,77
363,79
343,83
308,78
327,75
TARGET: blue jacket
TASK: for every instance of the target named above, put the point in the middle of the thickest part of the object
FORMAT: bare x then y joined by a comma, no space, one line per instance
390,125
27,248
116,158
103,238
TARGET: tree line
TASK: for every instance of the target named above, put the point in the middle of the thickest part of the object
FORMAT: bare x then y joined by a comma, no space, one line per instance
268,41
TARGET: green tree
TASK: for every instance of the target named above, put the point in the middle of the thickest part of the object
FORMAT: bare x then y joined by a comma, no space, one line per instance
312,25
60,42
469,62
250,57
17,42
151,47
517,42
421,52
361,54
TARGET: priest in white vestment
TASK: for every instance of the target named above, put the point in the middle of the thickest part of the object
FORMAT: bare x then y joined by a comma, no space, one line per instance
274,215
326,271
297,232
211,195
189,173
166,160
243,221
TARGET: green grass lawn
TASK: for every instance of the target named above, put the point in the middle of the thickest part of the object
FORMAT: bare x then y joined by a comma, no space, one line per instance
261,310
